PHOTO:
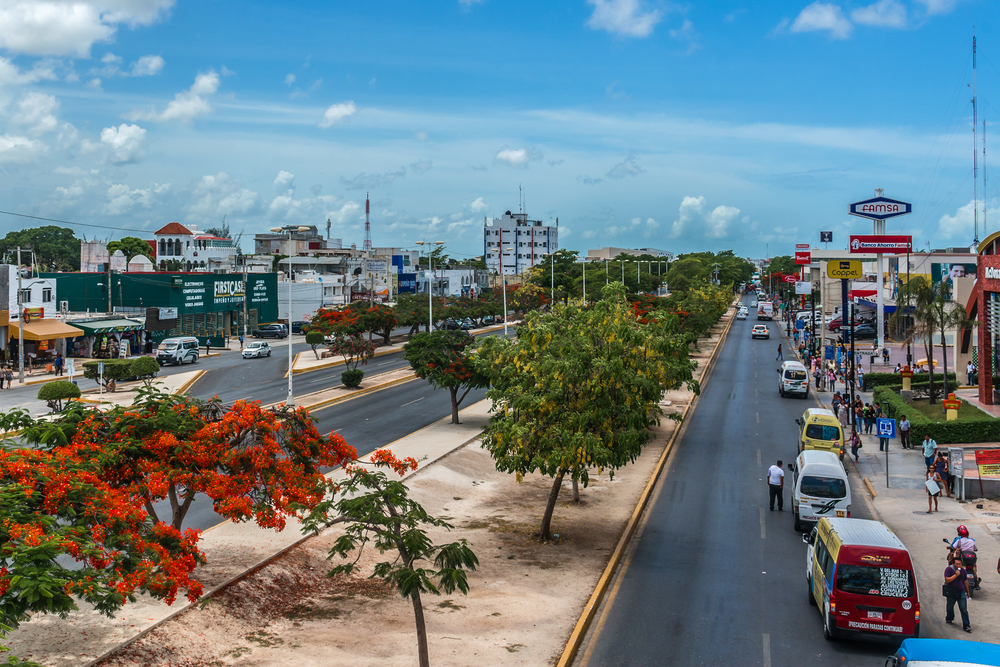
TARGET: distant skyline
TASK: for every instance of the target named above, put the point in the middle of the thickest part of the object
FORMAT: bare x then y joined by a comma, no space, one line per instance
638,123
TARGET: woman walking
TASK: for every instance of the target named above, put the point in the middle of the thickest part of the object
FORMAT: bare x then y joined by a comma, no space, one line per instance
855,444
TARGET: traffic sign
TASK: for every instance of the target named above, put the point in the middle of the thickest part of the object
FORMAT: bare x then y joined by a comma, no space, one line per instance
845,269
885,428
880,208
871,243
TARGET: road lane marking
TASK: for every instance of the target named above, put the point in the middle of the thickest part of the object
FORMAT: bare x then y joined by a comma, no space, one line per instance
767,650
758,458
412,402
763,529
758,417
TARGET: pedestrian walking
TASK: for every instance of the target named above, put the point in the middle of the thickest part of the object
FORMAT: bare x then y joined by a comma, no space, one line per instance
970,370
933,490
904,432
10,379
855,444
58,363
775,484
930,449
779,357
844,416
954,590
941,466
208,345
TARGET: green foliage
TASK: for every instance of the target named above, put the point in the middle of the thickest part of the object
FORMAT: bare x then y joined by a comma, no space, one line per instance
114,370
352,377
446,360
314,339
986,429
145,368
873,380
781,264
54,393
354,349
55,247
131,246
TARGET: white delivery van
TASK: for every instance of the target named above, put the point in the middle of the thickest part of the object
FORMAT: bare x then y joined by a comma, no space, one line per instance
765,310
793,378
181,350
819,488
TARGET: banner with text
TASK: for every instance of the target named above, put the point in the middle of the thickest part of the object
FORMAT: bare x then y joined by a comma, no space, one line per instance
803,257
871,243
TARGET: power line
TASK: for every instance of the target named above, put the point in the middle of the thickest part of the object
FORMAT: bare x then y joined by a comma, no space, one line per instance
81,224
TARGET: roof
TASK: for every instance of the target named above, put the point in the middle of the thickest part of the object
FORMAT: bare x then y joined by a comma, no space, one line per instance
92,327
866,533
794,364
208,237
174,228
817,457
46,330
951,651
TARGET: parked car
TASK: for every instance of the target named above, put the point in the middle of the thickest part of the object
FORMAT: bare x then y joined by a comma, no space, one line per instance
836,323
450,325
300,327
865,331
467,324
271,331
256,349
487,321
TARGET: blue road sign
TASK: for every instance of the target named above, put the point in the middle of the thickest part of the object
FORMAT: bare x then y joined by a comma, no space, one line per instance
828,353
886,428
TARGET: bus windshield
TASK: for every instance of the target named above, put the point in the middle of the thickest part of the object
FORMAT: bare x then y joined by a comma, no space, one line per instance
820,432
823,487
888,582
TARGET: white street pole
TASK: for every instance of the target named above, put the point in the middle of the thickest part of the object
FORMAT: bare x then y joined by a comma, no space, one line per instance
504,275
585,282
552,286
20,322
430,292
290,401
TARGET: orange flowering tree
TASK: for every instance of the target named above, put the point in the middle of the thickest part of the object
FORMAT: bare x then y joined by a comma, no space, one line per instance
333,321
445,359
378,318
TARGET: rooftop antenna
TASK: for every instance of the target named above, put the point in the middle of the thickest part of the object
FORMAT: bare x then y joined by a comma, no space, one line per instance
975,160
520,199
328,229
368,227
985,227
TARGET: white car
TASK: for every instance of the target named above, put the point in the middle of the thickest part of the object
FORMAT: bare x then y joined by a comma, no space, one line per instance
256,350
753,304
760,331
741,314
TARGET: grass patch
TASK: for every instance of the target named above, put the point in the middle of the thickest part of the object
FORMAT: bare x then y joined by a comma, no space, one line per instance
967,412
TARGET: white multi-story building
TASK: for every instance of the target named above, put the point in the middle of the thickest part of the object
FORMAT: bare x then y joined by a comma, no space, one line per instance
521,243
193,249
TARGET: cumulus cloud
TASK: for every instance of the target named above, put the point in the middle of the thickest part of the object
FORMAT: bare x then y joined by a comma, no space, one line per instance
692,217
884,14
338,112
125,143
421,166
364,181
821,16
627,167
187,105
122,199
289,79
937,6
626,18
15,149
284,178
10,74
517,157
35,112
54,28
961,223
211,197
478,206
147,66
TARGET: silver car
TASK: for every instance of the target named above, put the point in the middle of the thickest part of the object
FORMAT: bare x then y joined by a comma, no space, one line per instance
257,349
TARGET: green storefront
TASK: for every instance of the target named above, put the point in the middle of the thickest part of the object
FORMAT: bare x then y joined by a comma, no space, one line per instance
207,305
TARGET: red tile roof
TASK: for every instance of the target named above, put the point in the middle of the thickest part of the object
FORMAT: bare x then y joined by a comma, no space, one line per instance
173,228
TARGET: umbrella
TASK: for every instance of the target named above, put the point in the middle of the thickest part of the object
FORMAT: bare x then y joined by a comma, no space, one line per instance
923,362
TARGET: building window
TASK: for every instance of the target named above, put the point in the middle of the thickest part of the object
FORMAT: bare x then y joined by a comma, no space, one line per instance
163,247
46,295
26,295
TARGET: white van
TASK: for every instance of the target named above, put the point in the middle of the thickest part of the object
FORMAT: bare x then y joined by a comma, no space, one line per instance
181,350
819,488
793,378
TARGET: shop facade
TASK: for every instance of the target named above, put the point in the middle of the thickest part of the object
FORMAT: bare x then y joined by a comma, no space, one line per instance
984,307
106,338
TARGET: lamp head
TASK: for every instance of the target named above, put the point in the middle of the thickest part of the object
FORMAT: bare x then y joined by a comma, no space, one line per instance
276,229
303,228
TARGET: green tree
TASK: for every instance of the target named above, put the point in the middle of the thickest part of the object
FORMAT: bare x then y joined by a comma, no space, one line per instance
378,510
55,247
145,368
314,339
356,351
54,393
114,370
446,360
131,246
378,318
579,389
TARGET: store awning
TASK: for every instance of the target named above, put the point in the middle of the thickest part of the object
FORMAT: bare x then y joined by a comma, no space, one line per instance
871,303
860,292
108,326
45,330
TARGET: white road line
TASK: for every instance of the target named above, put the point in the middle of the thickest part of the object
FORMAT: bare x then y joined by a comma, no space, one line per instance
411,402
763,530
758,417
767,650
758,458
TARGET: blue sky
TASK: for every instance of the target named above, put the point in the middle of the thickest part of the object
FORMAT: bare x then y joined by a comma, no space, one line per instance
680,126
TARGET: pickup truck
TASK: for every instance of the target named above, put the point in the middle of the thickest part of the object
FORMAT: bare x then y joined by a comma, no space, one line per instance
765,310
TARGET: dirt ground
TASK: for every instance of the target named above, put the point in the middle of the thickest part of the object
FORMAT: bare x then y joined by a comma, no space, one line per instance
523,603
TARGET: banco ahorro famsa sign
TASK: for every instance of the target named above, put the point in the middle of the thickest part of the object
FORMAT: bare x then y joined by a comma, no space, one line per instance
880,208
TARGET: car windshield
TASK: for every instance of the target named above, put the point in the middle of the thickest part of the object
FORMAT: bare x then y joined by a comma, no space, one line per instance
255,345
820,432
887,582
823,487
795,375
168,346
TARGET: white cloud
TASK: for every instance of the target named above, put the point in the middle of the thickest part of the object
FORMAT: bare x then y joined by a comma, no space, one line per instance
517,157
111,58
885,14
627,167
20,149
214,196
421,166
820,16
651,227
687,33
70,28
937,6
962,224
122,199
693,220
364,181
627,18
469,3
187,105
289,79
125,143
284,178
94,83
148,66
338,112
478,206
420,136
34,111
11,75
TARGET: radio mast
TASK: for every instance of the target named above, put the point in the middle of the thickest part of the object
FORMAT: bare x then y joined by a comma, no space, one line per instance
975,156
368,228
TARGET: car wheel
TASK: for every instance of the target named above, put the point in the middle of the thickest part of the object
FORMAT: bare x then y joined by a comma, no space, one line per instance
827,632
812,600
797,526
269,353
781,392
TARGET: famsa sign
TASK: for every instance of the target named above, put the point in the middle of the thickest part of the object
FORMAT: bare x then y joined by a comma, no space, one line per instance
880,208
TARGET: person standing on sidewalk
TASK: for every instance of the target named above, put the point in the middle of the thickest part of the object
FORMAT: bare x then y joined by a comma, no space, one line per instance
855,444
775,484
904,432
954,590
779,357
970,370
930,449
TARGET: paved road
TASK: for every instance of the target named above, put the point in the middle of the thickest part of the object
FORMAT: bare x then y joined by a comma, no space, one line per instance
714,578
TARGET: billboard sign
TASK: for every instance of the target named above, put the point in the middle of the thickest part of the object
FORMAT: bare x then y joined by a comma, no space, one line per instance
943,271
880,244
407,283
802,246
880,208
990,280
803,257
376,266
845,269
803,287
826,237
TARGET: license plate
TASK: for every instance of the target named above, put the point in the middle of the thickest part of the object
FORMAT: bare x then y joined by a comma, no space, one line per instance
875,615
841,513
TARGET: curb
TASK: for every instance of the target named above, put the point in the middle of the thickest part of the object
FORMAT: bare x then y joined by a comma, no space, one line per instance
183,389
871,489
597,597
346,397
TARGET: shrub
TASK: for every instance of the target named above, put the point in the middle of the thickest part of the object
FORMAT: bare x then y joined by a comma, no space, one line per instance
352,377
314,339
54,393
114,370
944,433
145,368
873,380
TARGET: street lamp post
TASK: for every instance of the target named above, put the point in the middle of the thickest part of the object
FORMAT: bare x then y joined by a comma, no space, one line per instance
584,281
430,277
289,230
503,275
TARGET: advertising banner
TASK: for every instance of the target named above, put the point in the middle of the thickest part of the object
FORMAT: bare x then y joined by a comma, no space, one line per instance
990,280
803,257
946,272
826,237
802,246
988,462
845,269
802,287
872,243
407,283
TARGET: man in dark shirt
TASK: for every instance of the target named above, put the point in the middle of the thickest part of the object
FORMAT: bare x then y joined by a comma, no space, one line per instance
955,588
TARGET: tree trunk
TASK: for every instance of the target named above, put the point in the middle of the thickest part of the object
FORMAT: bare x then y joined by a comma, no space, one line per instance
576,490
944,364
454,404
386,335
551,505
418,617
315,351
929,349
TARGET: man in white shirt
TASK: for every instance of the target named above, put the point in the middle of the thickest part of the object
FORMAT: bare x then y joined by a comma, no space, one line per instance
970,370
775,484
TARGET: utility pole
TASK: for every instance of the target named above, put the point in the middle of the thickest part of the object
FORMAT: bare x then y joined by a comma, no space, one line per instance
20,322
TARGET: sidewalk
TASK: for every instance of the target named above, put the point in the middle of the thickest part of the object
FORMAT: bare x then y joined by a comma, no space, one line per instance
232,550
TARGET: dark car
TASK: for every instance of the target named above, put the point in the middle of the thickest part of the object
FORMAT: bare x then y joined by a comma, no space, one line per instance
300,327
467,324
487,321
450,325
865,331
271,331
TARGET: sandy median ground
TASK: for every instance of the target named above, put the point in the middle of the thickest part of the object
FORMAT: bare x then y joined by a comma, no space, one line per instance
524,601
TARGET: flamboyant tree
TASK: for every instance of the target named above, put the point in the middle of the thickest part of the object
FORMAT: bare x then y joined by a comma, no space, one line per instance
446,360
579,389
356,351
377,318
339,322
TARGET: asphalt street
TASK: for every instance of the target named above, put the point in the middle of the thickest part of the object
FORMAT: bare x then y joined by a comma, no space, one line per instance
713,576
